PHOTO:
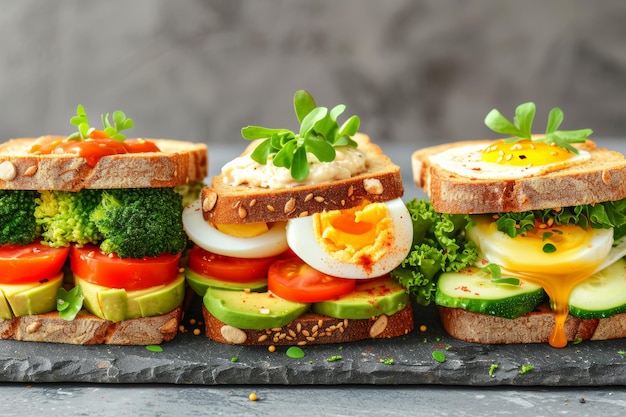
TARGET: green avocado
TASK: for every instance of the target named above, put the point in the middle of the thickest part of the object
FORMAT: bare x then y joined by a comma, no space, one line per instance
200,283
26,299
116,304
371,298
251,310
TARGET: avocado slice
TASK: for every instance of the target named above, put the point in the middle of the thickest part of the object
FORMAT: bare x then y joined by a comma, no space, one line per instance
251,310
371,298
25,299
117,304
199,283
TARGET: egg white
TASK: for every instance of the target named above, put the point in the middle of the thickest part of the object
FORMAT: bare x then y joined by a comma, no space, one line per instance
301,239
467,161
271,243
521,256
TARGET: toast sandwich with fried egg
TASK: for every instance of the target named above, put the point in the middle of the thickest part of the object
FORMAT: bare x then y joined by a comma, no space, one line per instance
541,225
91,235
296,237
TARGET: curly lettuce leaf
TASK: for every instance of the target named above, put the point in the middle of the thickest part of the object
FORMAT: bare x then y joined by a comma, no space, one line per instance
439,245
606,215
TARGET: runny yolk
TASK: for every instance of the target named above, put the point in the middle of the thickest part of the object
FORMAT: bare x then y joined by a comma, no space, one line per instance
524,153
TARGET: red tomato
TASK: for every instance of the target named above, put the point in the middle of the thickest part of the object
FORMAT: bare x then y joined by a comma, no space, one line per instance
98,145
110,271
292,279
30,263
228,268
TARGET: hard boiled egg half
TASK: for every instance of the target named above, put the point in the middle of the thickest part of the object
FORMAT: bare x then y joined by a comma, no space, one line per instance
362,242
241,241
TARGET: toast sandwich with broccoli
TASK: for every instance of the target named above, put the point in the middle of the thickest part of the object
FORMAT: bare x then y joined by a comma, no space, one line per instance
91,234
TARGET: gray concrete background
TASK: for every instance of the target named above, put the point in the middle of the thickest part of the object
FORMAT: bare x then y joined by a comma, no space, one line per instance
414,71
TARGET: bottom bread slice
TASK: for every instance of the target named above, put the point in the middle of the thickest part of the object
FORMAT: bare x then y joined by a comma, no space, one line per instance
312,329
87,329
534,327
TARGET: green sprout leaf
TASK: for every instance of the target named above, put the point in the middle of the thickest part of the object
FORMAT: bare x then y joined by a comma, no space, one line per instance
521,127
549,248
319,135
154,348
334,358
69,303
496,275
526,368
439,356
295,352
112,129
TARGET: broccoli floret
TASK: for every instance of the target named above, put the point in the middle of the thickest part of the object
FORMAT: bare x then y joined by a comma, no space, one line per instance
17,222
140,222
65,217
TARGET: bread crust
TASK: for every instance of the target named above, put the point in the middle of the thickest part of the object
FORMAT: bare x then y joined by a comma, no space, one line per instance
87,329
600,179
312,329
177,163
244,204
534,327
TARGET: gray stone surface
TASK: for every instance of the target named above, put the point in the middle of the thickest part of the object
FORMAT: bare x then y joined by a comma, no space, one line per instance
415,71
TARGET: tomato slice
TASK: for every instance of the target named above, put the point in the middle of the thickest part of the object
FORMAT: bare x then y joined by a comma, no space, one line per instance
228,268
292,279
110,271
30,263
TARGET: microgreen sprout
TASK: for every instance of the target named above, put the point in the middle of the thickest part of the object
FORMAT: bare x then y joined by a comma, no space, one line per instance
319,134
492,369
526,368
522,123
439,356
334,358
112,130
386,361
69,303
295,352
496,275
154,348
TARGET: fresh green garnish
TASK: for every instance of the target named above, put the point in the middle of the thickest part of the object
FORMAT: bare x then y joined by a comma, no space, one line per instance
69,303
492,369
295,352
154,348
549,248
386,361
621,352
439,356
319,134
112,130
577,341
496,275
521,127
526,368
234,359
334,358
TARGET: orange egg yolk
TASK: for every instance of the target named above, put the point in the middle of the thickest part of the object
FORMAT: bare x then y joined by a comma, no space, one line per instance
524,153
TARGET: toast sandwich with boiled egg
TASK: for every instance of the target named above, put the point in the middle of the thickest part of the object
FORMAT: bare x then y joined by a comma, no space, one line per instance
91,234
540,230
296,237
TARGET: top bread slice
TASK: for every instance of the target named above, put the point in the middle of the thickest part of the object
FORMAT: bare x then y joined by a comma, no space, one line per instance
599,179
226,204
177,163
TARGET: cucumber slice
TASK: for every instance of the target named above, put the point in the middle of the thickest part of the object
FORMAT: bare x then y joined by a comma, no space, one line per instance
472,289
601,295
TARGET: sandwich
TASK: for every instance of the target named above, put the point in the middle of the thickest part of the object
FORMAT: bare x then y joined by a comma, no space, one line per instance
91,234
295,238
523,238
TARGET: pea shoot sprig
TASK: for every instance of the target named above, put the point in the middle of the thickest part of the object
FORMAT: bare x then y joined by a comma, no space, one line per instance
522,123
319,134
111,130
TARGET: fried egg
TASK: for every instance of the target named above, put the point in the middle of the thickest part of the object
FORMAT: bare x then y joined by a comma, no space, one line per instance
363,242
559,251
208,237
507,160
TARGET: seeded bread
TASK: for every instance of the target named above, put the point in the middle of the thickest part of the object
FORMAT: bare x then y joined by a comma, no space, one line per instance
178,163
312,329
87,329
244,204
534,327
601,178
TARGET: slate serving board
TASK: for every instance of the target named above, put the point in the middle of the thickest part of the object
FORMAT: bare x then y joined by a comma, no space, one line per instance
191,359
